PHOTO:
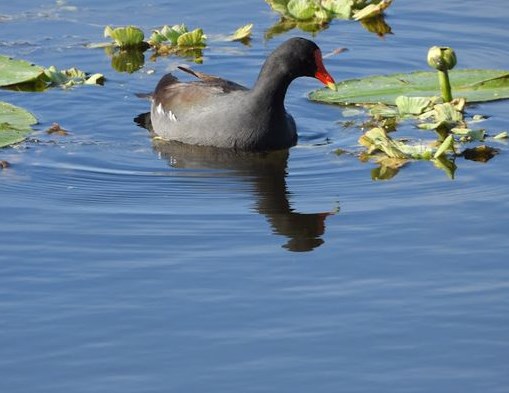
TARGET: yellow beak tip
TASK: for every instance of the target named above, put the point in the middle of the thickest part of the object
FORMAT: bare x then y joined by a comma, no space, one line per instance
332,86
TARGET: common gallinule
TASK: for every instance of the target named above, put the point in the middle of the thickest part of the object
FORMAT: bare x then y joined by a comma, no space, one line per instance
217,112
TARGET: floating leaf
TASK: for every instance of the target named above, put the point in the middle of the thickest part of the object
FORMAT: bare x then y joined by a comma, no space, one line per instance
280,6
301,9
15,124
478,118
167,34
412,105
377,139
502,135
468,135
125,37
177,36
473,84
318,13
372,10
192,39
14,71
241,33
339,8
70,77
447,144
446,117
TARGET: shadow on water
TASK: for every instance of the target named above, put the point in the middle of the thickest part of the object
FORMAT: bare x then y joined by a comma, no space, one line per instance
267,174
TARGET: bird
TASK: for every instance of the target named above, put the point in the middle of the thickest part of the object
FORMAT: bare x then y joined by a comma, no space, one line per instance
212,111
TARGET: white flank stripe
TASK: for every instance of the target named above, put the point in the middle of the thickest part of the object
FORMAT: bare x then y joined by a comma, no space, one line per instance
170,115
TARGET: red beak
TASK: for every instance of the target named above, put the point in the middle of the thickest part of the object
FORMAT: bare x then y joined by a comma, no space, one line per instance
321,73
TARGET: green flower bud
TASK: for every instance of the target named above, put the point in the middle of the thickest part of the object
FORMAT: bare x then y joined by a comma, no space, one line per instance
441,58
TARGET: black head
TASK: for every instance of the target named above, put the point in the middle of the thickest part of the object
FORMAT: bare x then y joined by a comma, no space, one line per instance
298,57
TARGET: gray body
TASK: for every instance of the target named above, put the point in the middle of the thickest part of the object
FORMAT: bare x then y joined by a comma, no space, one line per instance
217,112
227,120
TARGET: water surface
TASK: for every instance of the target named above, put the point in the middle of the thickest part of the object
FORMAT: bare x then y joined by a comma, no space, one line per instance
128,266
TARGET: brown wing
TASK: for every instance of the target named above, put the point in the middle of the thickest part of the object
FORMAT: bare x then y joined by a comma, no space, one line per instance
178,96
213,80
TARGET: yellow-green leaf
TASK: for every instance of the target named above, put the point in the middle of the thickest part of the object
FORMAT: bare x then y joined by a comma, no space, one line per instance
194,38
125,37
241,33
302,9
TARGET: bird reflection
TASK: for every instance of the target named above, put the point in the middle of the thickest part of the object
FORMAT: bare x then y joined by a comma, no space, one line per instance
266,172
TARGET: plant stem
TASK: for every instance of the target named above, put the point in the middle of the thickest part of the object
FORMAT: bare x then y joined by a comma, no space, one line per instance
445,85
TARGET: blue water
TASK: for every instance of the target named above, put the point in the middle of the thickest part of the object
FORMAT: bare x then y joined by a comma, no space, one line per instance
127,266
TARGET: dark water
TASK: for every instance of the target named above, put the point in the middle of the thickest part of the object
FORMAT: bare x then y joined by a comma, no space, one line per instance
128,266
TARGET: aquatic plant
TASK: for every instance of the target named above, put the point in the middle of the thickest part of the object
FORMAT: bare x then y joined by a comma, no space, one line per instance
15,74
443,59
15,124
413,96
126,37
315,15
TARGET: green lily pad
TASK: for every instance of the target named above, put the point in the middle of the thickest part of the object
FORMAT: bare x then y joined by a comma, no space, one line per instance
339,8
125,37
315,15
167,34
70,77
377,139
301,9
192,39
13,71
15,124
412,105
447,144
22,76
178,36
475,85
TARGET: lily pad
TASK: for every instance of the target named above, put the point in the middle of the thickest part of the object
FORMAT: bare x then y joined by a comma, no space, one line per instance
70,77
167,34
14,71
125,37
412,105
192,39
315,15
339,8
476,85
301,9
377,139
502,135
242,33
372,10
15,124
